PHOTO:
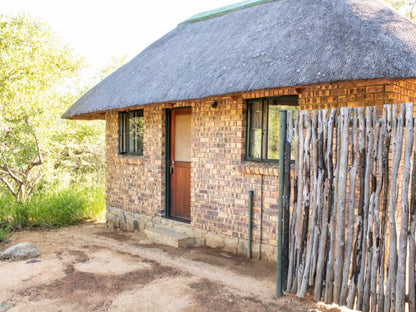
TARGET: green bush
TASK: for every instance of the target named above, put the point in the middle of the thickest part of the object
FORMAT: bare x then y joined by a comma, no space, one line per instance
5,230
53,209
65,207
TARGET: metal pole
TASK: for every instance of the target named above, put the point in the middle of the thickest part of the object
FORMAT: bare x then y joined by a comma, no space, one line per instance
261,214
250,213
282,140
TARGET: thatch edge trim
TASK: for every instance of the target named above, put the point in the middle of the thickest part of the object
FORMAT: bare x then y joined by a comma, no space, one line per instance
223,10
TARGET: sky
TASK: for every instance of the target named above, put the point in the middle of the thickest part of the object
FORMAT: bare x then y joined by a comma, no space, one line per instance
100,29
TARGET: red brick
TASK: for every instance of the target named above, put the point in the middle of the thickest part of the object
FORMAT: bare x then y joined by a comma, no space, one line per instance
219,180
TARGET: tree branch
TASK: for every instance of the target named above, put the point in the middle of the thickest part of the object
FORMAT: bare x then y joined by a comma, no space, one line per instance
34,162
3,169
32,185
8,185
40,159
7,170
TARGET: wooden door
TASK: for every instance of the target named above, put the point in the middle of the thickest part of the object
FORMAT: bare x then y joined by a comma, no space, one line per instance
180,164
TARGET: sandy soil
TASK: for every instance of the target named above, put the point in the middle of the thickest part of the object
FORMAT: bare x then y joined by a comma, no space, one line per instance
88,268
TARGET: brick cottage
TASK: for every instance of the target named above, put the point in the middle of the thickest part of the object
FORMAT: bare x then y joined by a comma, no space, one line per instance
191,122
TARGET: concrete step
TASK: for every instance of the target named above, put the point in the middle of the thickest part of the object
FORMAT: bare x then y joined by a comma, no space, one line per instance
170,237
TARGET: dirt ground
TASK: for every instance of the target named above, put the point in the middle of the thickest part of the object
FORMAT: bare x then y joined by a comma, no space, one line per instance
89,268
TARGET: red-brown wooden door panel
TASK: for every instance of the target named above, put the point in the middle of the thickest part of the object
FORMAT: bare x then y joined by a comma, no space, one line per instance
180,190
180,168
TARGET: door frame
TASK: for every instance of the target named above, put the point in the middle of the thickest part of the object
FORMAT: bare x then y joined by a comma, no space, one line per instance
168,151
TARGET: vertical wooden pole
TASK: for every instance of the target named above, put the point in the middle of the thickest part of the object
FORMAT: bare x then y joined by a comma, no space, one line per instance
286,197
282,129
306,199
327,144
356,269
318,197
372,166
366,181
300,174
294,218
315,197
390,297
369,191
404,226
381,129
308,258
341,200
387,117
329,281
412,233
351,212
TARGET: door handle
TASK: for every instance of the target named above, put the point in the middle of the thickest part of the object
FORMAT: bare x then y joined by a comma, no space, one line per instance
172,164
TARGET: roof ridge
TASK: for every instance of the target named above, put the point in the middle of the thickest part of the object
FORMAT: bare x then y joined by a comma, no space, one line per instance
223,10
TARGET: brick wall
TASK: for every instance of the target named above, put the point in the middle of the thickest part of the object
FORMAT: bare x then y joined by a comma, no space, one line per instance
220,178
347,93
135,182
219,185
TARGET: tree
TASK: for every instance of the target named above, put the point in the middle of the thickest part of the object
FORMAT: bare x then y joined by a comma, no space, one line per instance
407,7
76,148
32,63
412,16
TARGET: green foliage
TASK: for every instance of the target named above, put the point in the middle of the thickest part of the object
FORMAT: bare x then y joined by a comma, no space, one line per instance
39,82
32,62
65,207
51,170
406,7
5,229
54,209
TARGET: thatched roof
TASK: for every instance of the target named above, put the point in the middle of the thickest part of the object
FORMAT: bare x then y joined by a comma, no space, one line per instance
272,44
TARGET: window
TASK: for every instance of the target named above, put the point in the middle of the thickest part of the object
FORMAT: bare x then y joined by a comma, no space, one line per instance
263,126
130,132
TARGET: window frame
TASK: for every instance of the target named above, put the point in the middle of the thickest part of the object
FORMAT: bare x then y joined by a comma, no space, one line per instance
124,131
291,100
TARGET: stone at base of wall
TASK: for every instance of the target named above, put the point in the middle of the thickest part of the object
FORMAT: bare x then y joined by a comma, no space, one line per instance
120,219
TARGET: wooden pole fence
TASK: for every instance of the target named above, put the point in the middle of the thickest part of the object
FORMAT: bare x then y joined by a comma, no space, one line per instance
351,224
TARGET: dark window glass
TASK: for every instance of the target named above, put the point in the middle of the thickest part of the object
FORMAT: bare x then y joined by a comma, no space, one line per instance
131,132
263,126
